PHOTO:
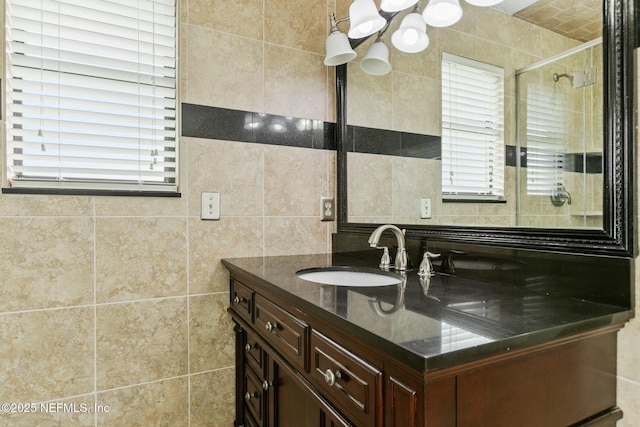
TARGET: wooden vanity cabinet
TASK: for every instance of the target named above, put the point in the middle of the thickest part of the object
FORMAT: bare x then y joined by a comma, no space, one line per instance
294,370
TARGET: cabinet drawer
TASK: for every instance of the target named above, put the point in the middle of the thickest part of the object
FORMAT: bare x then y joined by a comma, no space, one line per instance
254,355
254,397
287,334
348,382
242,301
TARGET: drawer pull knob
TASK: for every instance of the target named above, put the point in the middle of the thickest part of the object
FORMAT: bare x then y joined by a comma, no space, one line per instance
248,347
265,385
237,300
331,378
248,396
271,327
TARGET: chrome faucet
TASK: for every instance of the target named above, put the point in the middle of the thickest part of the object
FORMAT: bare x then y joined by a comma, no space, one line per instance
401,256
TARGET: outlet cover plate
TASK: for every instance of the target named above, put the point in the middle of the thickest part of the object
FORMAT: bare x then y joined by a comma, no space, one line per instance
327,209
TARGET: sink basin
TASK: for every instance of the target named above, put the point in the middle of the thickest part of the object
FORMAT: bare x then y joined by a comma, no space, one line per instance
347,276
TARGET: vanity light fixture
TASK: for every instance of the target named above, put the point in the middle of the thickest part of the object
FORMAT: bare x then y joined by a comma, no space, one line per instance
442,13
376,61
339,49
365,19
396,5
410,37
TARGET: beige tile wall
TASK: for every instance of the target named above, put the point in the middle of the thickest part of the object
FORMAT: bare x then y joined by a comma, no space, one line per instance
87,313
629,338
121,301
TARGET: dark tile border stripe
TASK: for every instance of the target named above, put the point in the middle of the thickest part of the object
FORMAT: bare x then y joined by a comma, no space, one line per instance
201,121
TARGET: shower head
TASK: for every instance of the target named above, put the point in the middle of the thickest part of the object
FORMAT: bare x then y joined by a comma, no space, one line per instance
557,77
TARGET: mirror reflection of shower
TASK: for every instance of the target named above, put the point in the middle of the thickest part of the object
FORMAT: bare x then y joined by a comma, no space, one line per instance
559,133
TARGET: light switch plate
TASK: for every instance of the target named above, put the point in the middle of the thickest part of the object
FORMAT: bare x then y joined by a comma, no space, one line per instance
425,207
210,206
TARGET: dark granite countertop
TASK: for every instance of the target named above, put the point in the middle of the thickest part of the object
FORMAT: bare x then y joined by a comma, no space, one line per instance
449,321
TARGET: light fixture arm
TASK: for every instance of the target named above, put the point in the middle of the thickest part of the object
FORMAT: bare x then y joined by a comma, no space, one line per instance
334,22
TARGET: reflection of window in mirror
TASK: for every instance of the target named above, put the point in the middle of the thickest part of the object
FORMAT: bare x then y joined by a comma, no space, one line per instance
472,130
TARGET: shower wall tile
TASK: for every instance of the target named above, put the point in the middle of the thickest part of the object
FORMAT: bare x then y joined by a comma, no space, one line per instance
210,241
213,398
234,170
211,342
233,77
141,341
366,90
306,28
628,400
162,403
46,354
56,271
456,43
416,114
141,206
373,175
288,190
296,235
44,205
243,18
494,25
140,258
295,82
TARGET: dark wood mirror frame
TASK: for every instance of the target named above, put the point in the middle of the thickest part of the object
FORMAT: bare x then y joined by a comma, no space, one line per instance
620,37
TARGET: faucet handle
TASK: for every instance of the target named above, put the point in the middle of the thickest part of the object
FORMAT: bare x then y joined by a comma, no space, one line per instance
385,261
447,263
426,268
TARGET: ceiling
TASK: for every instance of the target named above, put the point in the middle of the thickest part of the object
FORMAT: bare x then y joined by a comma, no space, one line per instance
577,19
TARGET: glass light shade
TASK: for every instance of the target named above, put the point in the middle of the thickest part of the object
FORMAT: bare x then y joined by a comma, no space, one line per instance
442,13
412,36
396,5
376,61
484,3
365,19
339,49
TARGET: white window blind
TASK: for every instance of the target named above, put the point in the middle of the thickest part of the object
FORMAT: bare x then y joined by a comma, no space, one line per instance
472,129
91,94
546,135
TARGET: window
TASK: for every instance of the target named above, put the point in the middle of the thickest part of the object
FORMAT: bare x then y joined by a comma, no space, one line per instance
472,130
546,136
91,94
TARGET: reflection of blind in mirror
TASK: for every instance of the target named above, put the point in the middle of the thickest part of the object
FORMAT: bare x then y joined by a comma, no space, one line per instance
546,136
454,338
472,129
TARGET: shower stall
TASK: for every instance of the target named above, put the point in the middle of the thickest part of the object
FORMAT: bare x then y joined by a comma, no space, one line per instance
559,136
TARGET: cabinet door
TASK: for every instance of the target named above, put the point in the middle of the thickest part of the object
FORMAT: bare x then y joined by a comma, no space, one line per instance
293,405
557,386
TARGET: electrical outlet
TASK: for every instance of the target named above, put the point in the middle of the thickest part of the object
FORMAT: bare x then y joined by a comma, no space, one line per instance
327,209
425,207
210,206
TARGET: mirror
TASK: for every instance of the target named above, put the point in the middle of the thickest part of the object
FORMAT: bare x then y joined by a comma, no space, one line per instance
389,156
